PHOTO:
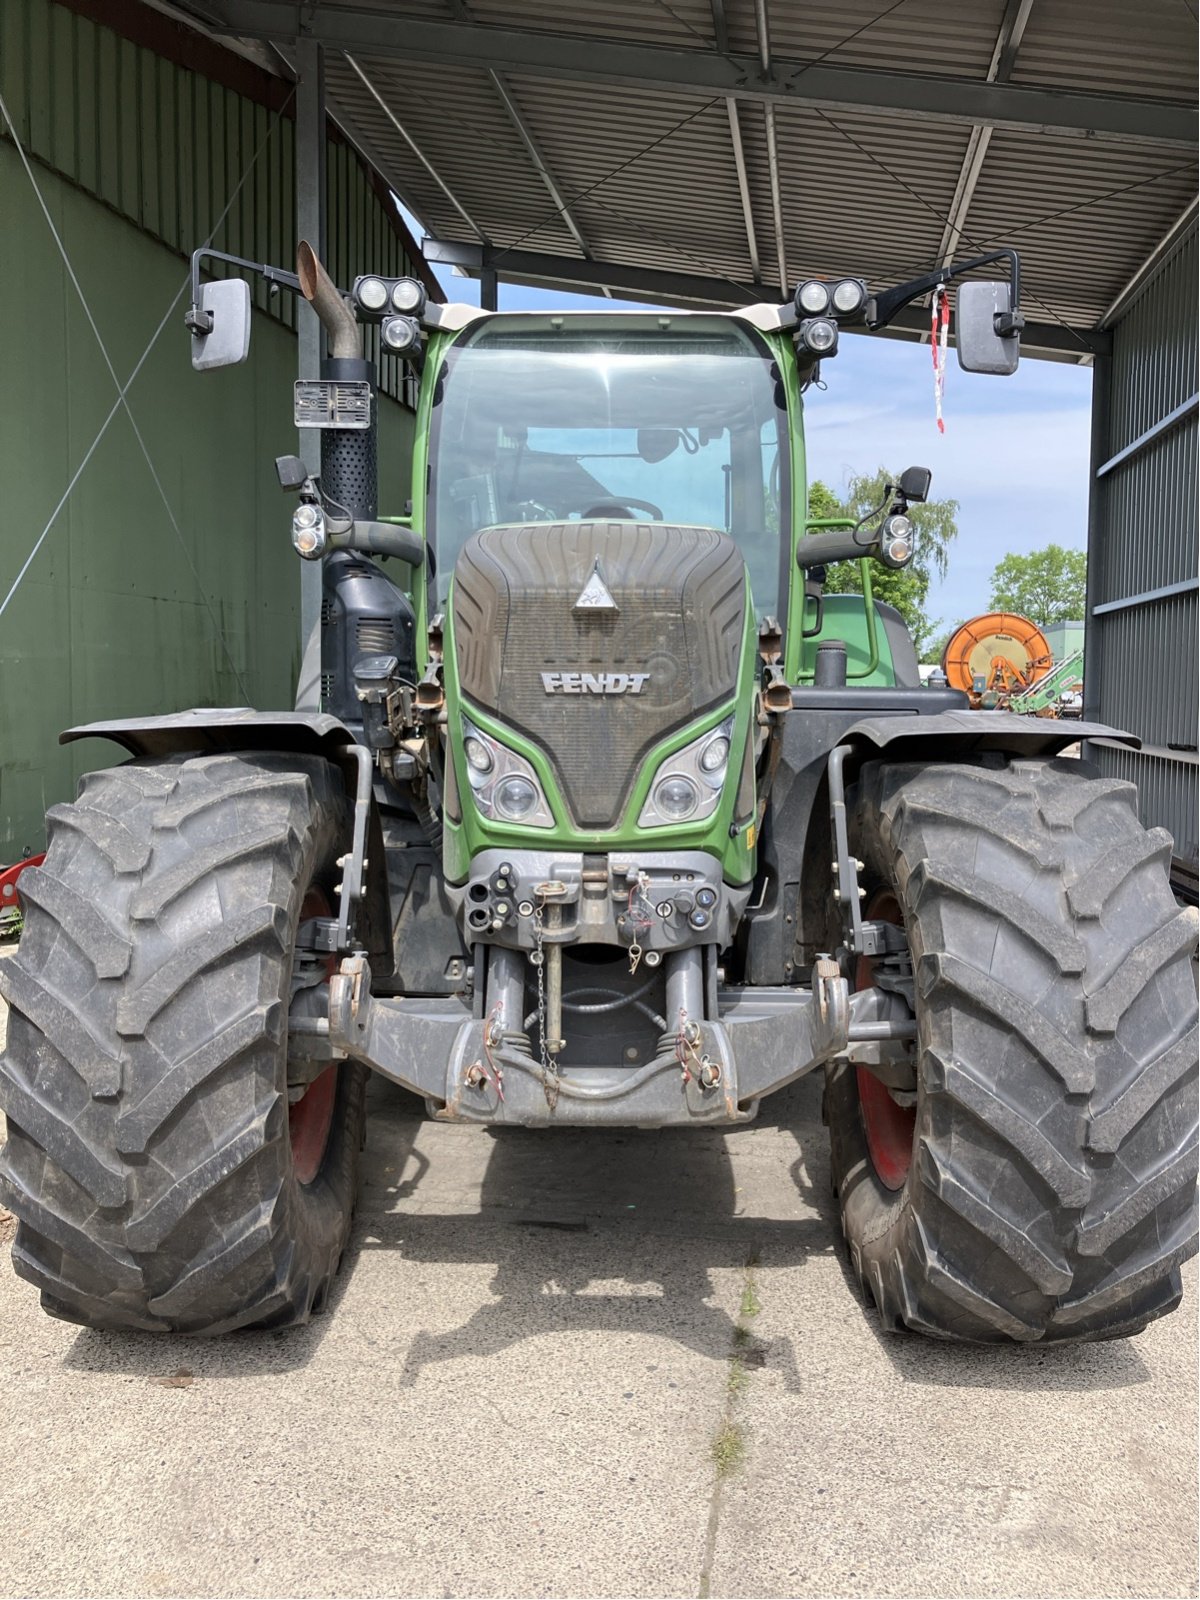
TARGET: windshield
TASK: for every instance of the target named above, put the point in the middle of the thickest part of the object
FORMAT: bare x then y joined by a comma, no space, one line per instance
678,424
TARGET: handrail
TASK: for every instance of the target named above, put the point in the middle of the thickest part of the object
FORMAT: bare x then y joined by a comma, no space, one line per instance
829,523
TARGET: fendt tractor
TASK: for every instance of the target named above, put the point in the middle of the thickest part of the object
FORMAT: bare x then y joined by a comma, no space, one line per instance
601,811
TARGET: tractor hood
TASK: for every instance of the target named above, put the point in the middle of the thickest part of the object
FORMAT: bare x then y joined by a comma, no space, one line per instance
598,639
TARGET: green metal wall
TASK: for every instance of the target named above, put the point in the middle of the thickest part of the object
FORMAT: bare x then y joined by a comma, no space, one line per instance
120,614
1143,585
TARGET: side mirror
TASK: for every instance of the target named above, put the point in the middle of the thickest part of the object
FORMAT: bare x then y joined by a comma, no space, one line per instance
221,332
980,307
914,484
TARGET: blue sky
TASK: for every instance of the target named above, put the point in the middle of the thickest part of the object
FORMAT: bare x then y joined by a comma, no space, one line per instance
1014,454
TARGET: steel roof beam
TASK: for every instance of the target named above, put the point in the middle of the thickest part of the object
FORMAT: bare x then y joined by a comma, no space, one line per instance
762,31
533,150
415,148
580,58
721,34
660,287
504,89
1163,248
1004,56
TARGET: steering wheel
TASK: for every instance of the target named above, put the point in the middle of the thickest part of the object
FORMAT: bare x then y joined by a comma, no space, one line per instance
619,508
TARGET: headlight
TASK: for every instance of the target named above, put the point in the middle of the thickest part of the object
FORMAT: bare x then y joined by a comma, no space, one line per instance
308,531
714,758
516,797
818,335
479,758
812,297
896,542
503,784
849,296
688,784
408,296
675,797
371,294
401,335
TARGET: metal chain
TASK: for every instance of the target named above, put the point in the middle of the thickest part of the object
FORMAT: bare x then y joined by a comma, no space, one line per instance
549,1068
641,915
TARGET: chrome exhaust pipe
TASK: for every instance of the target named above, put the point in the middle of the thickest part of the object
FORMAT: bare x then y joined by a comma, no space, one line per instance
321,293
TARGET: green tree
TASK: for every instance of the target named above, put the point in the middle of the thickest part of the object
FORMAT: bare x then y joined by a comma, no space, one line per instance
935,649
1049,585
935,526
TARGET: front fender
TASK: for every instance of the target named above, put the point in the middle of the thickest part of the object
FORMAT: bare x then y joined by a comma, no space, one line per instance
208,729
955,733
796,921
212,730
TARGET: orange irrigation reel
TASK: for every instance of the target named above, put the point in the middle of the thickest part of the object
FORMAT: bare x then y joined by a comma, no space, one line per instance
995,657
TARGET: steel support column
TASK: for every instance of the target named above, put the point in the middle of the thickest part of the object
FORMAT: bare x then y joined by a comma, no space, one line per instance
310,223
1097,491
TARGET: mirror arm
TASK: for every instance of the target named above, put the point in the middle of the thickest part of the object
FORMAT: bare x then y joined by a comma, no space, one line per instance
201,322
884,307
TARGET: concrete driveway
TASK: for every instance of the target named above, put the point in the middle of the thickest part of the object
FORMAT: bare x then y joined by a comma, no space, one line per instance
593,1364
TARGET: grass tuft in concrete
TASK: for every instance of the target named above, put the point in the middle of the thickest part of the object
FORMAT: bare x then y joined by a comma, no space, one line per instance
728,1449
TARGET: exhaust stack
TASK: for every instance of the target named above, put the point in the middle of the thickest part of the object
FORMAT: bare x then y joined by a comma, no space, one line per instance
321,293
349,469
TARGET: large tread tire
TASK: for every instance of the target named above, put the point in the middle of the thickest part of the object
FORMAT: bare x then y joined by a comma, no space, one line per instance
1052,1187
149,1161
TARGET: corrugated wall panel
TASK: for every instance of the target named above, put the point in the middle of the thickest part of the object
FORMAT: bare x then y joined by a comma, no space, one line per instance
1166,792
131,608
1147,668
167,148
1142,671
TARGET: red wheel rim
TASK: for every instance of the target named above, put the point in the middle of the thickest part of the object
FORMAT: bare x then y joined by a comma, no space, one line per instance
311,1117
889,1128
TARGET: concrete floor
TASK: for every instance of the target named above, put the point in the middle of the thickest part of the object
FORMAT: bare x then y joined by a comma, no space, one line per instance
518,1388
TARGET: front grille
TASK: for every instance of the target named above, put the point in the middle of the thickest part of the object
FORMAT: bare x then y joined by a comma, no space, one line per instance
680,594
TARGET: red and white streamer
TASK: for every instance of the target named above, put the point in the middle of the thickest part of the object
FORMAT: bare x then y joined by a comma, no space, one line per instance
939,335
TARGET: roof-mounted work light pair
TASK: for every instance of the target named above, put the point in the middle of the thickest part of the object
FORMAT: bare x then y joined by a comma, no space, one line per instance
396,304
820,307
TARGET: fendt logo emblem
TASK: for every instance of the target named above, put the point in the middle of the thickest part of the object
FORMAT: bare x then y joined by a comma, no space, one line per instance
594,682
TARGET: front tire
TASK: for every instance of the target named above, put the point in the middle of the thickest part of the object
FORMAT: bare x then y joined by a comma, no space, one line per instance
1043,1186
152,1158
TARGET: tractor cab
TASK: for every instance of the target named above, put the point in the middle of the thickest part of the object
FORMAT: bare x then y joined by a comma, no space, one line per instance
672,418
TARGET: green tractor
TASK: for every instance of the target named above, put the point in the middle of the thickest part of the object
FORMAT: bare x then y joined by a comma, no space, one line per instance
604,814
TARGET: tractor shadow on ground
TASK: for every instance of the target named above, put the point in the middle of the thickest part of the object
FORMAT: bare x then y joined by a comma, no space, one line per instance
1029,1369
621,1230
613,1231
604,1231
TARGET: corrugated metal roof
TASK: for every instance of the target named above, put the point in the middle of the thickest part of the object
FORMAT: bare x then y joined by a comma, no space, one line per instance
648,172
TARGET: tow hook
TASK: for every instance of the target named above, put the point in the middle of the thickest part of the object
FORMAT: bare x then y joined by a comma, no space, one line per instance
831,1008
349,999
